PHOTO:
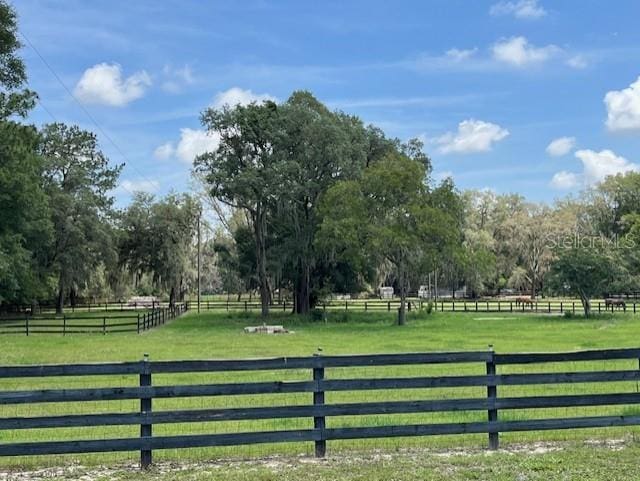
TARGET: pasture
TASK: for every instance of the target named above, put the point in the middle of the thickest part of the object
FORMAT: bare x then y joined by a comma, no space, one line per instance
220,335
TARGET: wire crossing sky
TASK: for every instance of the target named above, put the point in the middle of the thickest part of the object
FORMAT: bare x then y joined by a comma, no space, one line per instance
538,97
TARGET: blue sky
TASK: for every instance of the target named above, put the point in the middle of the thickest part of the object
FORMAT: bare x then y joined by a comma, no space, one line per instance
488,85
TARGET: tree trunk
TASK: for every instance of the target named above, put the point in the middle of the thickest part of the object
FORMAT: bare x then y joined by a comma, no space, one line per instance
403,297
303,290
172,297
586,305
73,297
533,286
261,261
60,300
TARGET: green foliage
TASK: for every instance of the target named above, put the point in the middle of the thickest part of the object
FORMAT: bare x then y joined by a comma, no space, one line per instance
585,272
429,307
24,217
78,180
389,215
157,240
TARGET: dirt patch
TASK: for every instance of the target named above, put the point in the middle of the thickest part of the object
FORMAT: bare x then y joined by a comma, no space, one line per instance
278,464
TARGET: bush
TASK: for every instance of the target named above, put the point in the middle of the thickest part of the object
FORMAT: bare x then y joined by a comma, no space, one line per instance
429,308
318,315
569,315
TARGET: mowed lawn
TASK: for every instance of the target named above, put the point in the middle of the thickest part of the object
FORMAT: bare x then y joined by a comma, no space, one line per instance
220,335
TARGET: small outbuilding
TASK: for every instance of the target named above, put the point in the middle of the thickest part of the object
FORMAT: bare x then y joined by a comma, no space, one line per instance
386,292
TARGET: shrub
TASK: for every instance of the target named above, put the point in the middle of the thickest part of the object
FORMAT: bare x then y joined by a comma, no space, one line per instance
318,315
429,308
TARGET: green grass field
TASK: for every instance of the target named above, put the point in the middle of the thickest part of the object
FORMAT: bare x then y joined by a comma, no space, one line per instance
220,335
572,462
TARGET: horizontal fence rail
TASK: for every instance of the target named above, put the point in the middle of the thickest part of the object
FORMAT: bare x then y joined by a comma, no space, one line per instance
317,384
381,305
627,304
108,323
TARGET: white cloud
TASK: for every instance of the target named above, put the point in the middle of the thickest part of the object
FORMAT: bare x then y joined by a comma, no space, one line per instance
140,185
195,142
599,165
565,180
623,108
458,55
561,146
517,51
103,84
164,151
577,62
472,136
527,9
237,96
192,143
176,79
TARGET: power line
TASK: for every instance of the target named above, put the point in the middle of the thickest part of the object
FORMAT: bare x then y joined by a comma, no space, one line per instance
87,113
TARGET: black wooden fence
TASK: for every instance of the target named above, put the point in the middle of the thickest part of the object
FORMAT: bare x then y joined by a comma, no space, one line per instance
380,305
317,385
108,323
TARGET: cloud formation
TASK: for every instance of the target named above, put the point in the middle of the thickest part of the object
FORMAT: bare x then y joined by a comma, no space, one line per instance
458,55
192,143
600,165
518,52
561,146
597,166
623,108
564,180
524,9
237,96
140,185
176,79
472,136
103,84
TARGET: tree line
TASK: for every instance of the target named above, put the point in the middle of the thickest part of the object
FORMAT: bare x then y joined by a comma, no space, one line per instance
318,203
311,202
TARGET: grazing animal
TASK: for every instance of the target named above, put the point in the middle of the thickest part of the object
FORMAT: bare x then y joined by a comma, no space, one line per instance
523,300
612,302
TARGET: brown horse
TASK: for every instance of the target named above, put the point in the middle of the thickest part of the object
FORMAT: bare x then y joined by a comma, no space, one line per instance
613,302
523,300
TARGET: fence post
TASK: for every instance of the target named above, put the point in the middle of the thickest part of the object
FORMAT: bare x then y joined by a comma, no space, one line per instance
138,323
145,411
492,394
318,401
561,307
26,323
64,325
104,326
